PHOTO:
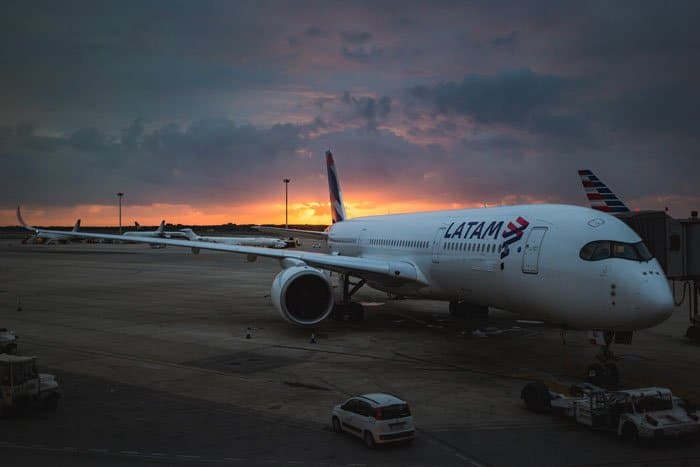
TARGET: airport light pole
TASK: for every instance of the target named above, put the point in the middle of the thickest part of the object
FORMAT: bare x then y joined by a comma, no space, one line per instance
119,195
286,203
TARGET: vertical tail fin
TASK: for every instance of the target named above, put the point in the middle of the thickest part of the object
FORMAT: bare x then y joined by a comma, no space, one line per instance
337,206
137,225
21,220
76,227
599,195
161,228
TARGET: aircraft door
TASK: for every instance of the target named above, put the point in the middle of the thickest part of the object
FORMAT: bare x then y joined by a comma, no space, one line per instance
436,243
533,245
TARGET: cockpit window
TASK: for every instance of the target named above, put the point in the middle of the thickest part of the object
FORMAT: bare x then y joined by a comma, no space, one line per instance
603,249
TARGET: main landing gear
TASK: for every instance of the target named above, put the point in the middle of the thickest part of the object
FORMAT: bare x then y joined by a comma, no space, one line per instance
345,309
461,309
604,372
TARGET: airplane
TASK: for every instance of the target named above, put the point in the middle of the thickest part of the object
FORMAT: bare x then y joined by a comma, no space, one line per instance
265,242
160,232
47,236
571,266
599,195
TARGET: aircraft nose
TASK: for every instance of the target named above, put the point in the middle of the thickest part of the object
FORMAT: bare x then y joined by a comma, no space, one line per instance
656,301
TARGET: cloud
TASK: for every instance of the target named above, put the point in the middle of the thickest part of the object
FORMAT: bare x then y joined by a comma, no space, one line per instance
509,97
356,37
372,111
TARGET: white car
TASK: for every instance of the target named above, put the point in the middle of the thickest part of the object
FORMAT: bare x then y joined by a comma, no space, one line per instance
376,418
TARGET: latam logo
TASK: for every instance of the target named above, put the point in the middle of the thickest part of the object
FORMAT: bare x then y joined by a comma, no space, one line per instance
513,234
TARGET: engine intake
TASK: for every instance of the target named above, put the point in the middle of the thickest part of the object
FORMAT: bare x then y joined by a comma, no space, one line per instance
303,295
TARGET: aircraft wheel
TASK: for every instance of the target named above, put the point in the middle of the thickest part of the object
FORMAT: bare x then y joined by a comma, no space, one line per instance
536,397
629,432
612,375
596,375
339,310
458,309
357,311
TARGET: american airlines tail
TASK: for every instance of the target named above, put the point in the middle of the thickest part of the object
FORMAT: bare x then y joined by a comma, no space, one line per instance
599,195
337,206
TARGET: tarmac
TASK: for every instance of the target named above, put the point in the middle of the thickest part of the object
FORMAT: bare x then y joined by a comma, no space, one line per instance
150,348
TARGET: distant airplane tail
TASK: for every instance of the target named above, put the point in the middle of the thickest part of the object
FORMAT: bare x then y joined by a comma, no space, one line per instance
76,227
599,195
337,206
21,220
137,225
161,228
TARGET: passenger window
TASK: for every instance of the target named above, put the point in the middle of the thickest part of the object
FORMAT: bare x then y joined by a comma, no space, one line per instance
350,406
364,409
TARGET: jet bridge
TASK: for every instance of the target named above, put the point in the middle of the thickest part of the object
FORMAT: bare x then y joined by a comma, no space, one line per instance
676,245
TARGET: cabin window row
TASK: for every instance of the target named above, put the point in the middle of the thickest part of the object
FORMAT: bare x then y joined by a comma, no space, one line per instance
472,247
399,243
344,240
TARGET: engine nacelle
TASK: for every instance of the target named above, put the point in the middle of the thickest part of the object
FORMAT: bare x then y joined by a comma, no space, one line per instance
303,295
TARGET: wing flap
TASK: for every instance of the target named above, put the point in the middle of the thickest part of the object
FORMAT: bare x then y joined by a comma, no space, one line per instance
396,271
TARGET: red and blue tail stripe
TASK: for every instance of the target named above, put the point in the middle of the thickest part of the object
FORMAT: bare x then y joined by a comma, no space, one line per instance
599,195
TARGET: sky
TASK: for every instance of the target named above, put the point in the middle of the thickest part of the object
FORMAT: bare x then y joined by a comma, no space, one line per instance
197,110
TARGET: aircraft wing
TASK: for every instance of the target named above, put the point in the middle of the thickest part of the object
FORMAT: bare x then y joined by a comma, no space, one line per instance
395,272
316,234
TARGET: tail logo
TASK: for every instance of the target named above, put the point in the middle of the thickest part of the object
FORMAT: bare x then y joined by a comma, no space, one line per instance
513,233
337,207
599,195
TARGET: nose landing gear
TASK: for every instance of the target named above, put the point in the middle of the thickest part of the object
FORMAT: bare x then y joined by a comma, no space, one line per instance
604,372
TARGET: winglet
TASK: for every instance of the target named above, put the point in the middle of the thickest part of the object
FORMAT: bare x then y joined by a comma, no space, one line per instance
21,220
337,206
189,233
599,195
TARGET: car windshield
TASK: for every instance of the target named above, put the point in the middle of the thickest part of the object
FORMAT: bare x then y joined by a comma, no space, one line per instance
396,411
652,404
603,249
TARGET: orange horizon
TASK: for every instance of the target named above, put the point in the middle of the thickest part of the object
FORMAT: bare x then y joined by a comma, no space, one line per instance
311,212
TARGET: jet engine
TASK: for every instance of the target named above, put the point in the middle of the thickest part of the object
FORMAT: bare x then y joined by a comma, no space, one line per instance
303,295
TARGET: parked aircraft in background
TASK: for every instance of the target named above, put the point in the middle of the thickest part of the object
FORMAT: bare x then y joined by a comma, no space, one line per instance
264,242
599,195
49,237
576,267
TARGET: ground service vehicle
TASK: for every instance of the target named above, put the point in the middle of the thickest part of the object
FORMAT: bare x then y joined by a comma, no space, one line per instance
376,418
632,413
21,387
8,341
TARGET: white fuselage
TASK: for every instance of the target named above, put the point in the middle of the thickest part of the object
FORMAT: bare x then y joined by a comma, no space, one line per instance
263,242
475,255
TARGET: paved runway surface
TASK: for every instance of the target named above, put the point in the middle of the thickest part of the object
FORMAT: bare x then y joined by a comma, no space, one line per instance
150,348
